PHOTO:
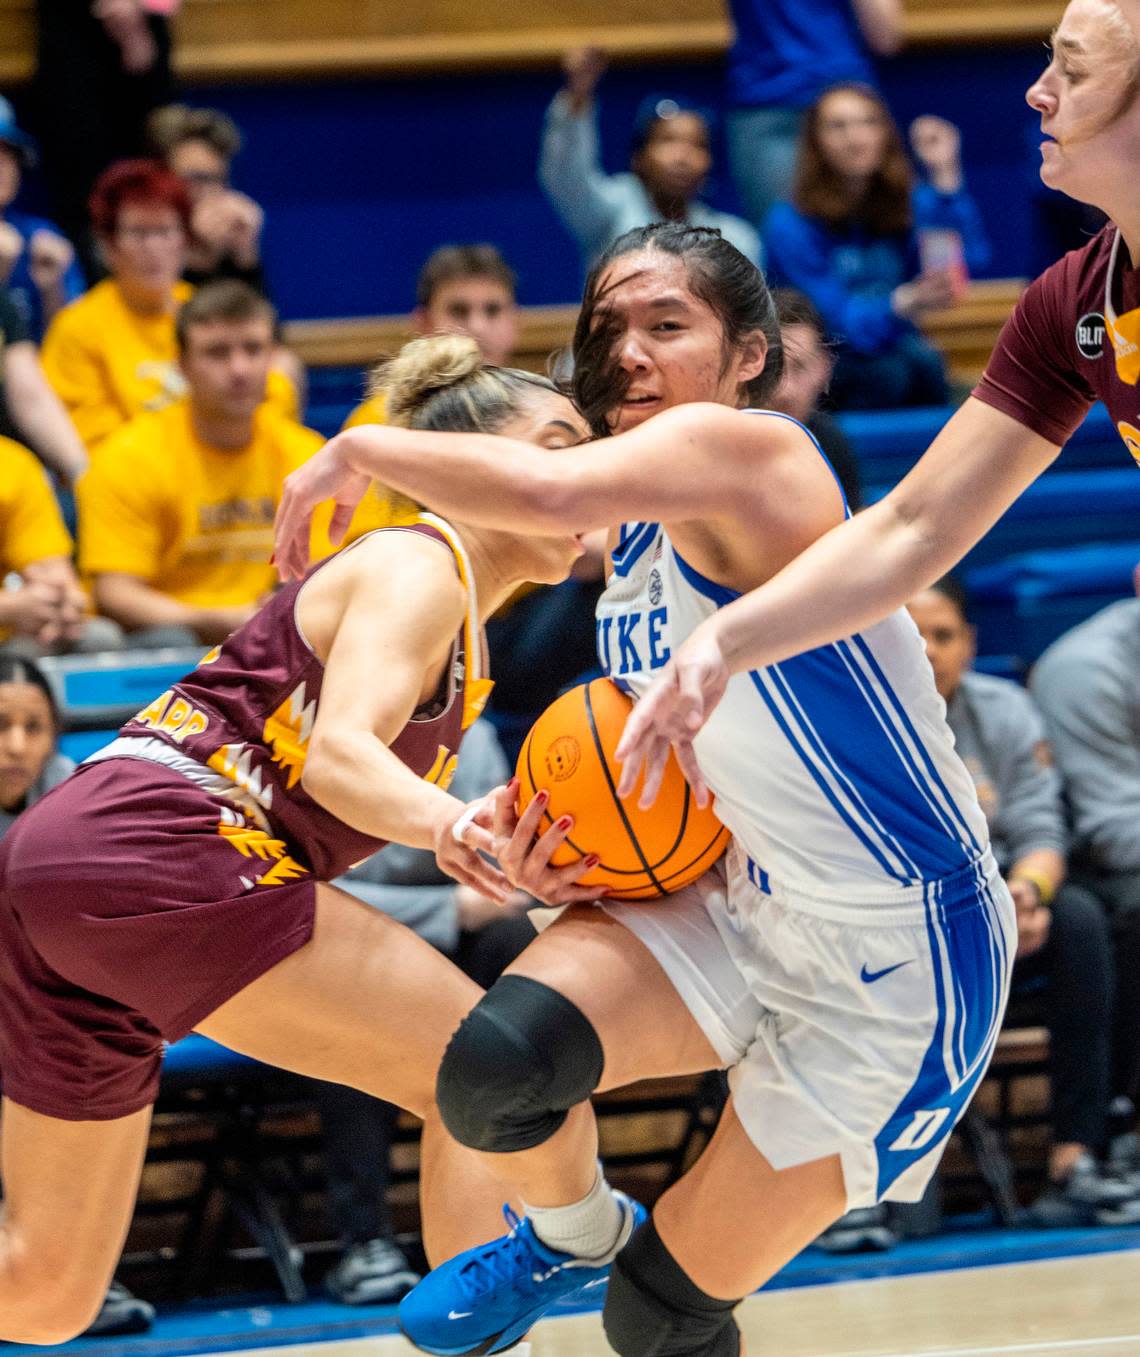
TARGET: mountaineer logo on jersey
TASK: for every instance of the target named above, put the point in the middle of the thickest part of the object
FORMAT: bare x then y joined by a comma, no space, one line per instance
258,845
286,734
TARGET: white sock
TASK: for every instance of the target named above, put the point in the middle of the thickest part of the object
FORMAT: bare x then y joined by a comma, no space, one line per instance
590,1228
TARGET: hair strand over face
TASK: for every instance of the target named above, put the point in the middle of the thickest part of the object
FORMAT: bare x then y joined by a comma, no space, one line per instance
718,274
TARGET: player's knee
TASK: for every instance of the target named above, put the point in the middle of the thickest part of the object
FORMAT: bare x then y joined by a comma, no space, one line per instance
519,1061
653,1309
39,1303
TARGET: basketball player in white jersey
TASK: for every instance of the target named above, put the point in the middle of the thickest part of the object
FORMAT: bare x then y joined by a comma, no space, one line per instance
848,963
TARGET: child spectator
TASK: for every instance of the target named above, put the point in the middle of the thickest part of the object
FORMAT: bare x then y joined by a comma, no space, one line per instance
176,512
669,164
30,411
36,259
852,239
112,354
784,56
1063,972
30,766
482,938
42,608
808,365
199,146
1085,684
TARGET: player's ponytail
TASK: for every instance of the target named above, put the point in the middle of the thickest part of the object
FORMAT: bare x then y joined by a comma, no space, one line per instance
441,383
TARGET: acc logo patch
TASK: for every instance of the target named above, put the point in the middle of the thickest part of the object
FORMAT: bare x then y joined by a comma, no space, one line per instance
1090,335
656,588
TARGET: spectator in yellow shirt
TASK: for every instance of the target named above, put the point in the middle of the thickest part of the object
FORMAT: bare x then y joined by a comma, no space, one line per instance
176,512
42,607
462,289
112,354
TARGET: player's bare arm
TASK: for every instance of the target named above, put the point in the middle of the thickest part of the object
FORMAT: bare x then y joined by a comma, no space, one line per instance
700,464
397,613
854,575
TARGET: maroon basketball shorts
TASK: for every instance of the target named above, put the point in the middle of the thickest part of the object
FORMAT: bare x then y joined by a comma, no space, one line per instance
132,905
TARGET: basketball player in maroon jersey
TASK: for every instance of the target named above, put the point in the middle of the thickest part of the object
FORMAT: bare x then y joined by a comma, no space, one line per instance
1073,339
177,881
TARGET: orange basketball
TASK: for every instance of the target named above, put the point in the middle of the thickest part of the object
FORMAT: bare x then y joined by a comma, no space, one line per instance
644,853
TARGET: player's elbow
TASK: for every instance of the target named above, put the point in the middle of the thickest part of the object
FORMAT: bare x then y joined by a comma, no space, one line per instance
331,756
318,776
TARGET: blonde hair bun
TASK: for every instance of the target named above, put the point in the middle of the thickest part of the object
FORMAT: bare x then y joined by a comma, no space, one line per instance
421,369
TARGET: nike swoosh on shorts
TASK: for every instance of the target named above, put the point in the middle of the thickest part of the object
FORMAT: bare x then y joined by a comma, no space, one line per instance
869,977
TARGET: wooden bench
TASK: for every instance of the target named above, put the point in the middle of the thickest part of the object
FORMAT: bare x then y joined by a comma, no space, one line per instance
965,333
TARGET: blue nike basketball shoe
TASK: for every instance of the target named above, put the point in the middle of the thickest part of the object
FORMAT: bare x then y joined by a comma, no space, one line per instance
486,1299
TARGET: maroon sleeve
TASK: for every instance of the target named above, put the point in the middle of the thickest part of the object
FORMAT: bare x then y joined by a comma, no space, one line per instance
1031,375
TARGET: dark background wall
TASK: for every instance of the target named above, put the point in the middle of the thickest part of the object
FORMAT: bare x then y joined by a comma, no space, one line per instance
361,180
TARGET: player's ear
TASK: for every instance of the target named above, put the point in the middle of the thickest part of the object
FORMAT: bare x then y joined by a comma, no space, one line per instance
753,355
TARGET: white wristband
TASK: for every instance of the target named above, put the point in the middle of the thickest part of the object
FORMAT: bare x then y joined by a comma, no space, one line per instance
459,828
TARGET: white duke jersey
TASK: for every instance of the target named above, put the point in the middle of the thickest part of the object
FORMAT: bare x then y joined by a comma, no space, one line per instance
834,770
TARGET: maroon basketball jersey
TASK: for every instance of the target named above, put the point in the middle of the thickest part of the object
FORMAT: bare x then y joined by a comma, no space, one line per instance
247,712
1074,338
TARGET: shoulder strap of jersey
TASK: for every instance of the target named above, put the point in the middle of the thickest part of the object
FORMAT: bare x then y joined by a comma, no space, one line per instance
476,686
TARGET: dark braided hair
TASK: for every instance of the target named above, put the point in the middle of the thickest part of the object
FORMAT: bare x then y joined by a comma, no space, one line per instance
719,275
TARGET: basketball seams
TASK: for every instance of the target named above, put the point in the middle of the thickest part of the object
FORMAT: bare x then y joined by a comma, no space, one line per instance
697,861
613,789
604,712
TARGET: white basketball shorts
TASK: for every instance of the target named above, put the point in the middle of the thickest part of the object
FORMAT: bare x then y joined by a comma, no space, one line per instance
861,1032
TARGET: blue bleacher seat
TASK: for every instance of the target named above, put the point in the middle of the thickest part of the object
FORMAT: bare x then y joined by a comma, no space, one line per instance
333,394
887,443
103,690
1022,604
1063,509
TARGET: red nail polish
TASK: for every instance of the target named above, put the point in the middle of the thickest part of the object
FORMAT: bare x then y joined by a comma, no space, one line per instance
542,798
592,861
565,822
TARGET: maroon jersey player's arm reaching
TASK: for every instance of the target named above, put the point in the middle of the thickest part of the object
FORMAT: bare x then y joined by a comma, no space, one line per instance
179,880
1074,338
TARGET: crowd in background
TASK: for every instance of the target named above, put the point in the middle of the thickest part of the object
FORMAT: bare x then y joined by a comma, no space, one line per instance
149,413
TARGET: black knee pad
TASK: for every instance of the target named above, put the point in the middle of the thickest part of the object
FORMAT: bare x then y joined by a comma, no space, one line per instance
653,1309
520,1060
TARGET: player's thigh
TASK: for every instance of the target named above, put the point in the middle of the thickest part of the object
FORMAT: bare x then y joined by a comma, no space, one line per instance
733,1220
365,1002
69,1193
645,1028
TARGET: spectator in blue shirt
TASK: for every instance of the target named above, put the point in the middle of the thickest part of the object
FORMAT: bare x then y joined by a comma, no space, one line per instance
874,250
785,55
36,259
670,163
